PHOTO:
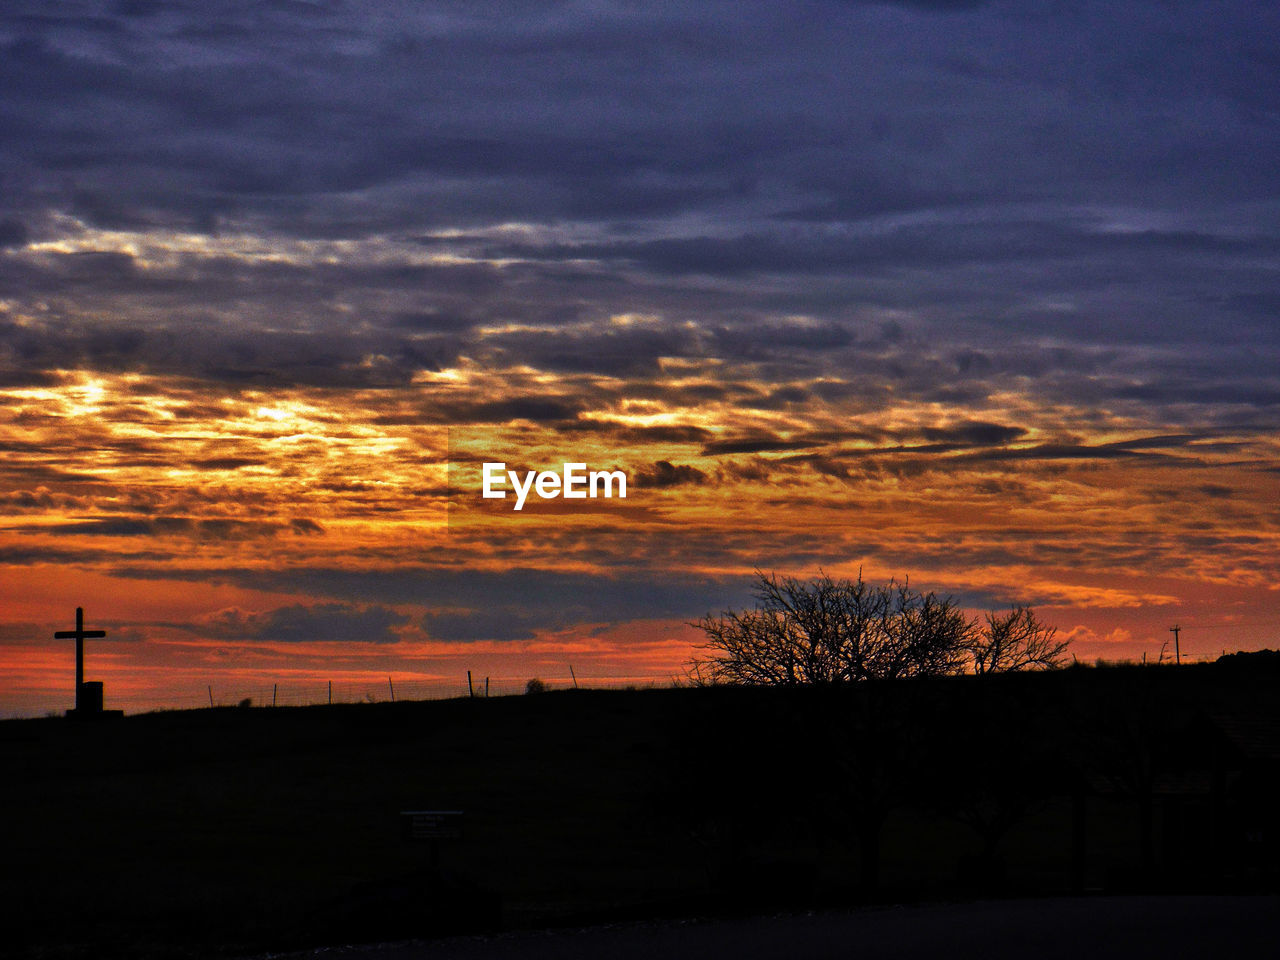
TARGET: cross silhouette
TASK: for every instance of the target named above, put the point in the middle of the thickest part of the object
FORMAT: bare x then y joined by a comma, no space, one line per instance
79,635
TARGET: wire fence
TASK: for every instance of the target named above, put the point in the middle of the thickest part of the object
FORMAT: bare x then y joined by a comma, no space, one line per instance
317,691
320,692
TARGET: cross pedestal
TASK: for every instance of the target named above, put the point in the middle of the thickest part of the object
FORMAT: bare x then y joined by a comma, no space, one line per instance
88,695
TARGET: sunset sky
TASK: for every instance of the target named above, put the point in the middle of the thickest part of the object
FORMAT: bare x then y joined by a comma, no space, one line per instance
982,294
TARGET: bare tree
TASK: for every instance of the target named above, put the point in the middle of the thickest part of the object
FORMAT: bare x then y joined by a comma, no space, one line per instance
826,631
1016,640
793,636
918,635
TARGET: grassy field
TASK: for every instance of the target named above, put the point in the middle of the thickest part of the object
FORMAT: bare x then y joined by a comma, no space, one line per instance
232,830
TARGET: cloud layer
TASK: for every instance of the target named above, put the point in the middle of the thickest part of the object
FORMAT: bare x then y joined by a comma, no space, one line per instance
981,291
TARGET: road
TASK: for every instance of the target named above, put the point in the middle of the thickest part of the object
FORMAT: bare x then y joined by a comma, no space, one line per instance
1096,928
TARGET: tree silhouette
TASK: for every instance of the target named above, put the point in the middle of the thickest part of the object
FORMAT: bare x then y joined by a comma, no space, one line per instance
826,631
1016,640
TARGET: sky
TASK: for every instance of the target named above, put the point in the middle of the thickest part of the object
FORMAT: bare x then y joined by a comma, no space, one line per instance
983,295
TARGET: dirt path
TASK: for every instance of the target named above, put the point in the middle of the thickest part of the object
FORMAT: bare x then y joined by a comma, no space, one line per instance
1133,928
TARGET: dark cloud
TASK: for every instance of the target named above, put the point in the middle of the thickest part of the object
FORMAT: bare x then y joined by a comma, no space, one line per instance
763,338
234,355
758,444
776,224
533,408
13,233
975,432
666,474
662,434
1235,393
431,321
224,463
23,500
932,6
31,555
478,605
321,622
1216,490
503,623
1124,450
615,352
188,527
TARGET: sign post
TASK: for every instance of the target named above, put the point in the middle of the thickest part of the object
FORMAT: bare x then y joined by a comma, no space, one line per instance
432,826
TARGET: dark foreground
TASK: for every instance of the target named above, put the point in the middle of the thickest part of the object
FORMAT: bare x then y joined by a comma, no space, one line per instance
1099,928
232,832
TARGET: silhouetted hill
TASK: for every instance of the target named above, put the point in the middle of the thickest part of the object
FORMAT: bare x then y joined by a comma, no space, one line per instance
240,829
1255,660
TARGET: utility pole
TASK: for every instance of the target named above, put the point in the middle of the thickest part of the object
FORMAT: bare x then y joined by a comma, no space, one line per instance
1177,649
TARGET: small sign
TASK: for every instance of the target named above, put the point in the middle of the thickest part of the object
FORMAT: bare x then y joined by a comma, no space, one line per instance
432,824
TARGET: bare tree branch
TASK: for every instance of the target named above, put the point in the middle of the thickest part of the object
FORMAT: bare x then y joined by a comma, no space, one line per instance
1016,640
825,631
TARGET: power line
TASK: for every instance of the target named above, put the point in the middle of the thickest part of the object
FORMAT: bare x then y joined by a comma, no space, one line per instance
1250,622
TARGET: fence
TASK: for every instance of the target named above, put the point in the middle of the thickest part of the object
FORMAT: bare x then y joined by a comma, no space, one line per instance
315,692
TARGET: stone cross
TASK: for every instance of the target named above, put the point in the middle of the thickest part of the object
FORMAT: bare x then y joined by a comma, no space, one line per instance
79,635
